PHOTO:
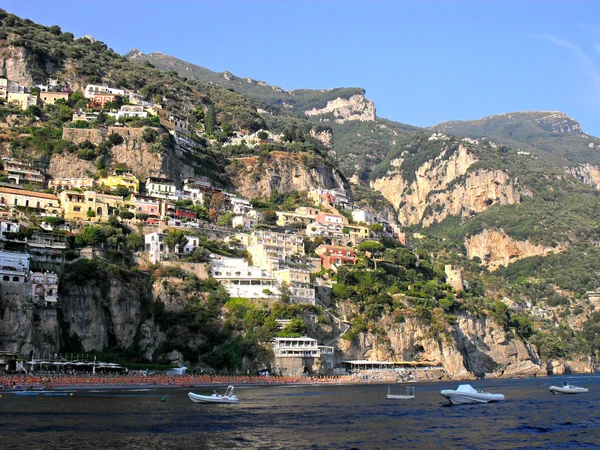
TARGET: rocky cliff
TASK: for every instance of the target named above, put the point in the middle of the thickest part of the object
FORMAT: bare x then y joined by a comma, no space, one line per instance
586,173
257,177
357,107
104,310
474,345
142,158
445,187
496,249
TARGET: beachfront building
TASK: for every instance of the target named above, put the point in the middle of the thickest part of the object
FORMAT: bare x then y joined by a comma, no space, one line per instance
298,283
301,356
243,280
89,205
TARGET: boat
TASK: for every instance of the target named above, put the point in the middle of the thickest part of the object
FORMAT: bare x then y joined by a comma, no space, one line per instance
410,394
227,397
567,388
465,393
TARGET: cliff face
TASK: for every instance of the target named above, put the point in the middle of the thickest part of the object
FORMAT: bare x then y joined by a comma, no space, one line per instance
496,249
255,177
444,187
104,312
476,346
15,66
586,173
141,157
357,107
25,326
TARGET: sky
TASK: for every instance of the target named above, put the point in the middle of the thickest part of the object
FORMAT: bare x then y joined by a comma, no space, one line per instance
420,62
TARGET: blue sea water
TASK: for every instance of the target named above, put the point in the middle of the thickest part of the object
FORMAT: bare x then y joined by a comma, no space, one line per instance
307,417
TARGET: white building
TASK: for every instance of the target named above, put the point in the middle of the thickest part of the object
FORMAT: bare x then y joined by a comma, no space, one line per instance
131,111
328,230
94,89
360,215
191,245
155,247
14,266
44,287
247,221
7,226
239,205
161,187
245,281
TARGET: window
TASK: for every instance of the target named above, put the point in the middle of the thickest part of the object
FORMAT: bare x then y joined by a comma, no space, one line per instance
77,209
16,279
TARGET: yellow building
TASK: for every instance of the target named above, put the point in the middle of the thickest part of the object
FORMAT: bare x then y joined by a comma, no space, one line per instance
298,282
358,231
77,204
126,180
22,99
269,249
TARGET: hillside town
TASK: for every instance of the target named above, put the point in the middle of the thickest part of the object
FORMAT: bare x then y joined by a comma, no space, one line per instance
43,218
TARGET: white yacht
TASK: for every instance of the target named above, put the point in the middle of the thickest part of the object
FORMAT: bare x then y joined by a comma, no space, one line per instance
465,393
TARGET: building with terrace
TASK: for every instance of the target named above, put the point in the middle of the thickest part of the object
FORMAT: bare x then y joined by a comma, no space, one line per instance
44,287
14,266
40,202
89,205
301,356
21,172
243,280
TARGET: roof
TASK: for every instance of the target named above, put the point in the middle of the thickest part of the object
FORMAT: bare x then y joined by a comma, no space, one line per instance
29,193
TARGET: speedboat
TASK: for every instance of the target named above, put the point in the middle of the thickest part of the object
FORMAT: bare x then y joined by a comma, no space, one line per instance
410,394
227,397
567,388
465,393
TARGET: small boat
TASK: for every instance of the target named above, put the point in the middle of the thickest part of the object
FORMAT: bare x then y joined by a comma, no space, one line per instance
227,397
410,394
567,388
465,393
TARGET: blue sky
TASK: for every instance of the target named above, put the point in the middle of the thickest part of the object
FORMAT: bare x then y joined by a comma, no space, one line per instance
421,62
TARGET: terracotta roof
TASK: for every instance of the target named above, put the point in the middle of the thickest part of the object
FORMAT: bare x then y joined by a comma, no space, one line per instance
29,193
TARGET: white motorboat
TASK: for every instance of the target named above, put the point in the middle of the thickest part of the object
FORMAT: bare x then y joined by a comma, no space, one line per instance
465,393
567,388
410,394
227,397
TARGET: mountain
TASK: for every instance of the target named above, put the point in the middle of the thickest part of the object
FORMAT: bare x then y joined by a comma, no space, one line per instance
361,140
551,133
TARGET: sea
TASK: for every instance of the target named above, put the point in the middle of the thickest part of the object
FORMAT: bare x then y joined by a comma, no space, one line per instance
306,417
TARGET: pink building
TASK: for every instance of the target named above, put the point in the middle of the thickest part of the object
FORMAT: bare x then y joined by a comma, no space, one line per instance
145,204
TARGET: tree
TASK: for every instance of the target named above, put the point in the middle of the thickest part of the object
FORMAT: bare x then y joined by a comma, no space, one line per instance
127,215
115,139
149,135
270,217
217,203
262,135
200,255
90,235
90,213
176,239
210,120
376,227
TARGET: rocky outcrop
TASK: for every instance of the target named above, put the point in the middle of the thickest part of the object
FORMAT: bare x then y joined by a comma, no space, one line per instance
257,177
104,311
24,325
357,107
496,249
15,65
586,173
141,157
444,187
324,136
475,346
